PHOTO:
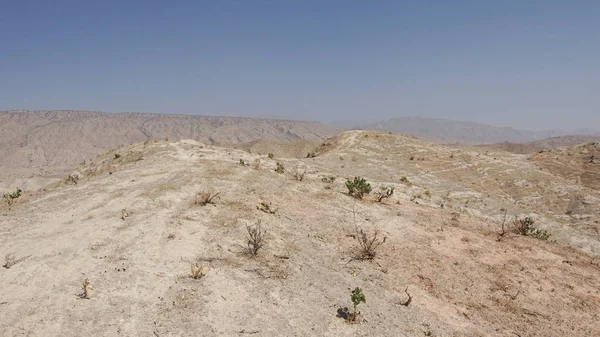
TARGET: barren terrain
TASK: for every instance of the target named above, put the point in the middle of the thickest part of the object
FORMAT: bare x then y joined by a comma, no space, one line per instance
47,143
127,221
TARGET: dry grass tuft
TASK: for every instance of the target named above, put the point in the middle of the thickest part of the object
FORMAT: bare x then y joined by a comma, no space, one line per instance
368,244
205,198
299,173
266,207
256,236
198,272
85,288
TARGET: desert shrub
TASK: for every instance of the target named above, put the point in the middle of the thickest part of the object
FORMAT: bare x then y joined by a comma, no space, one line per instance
10,197
299,173
206,197
368,244
357,297
412,157
85,288
358,187
280,168
311,155
242,162
117,155
328,180
405,180
427,192
266,207
255,237
198,272
270,155
384,193
525,227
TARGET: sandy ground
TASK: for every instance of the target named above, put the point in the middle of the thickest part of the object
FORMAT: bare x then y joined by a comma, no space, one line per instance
464,280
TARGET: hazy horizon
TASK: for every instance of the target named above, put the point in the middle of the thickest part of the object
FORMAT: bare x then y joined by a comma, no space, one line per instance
529,66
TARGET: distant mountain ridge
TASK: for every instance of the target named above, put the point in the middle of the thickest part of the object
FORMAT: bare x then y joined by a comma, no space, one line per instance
51,142
448,131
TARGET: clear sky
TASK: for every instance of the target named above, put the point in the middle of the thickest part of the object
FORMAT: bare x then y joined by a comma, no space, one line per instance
526,63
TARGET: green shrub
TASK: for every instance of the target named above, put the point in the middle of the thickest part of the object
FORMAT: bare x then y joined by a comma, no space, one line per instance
525,227
10,197
357,297
280,168
359,187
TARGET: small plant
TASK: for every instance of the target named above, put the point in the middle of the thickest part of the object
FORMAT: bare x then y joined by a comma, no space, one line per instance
385,193
255,238
266,207
405,180
270,155
299,173
87,286
10,197
198,272
117,155
358,187
368,244
280,168
427,192
412,157
311,155
124,213
242,162
205,198
525,227
72,179
10,260
328,180
357,297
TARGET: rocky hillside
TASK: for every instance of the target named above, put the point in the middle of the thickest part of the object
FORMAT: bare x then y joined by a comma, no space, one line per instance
41,143
133,223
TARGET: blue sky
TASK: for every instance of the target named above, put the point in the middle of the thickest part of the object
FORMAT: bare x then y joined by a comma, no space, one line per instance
527,64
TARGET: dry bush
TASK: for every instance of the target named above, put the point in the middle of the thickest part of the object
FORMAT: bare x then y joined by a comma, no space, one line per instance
384,193
299,173
257,163
256,236
85,288
198,272
10,260
369,243
266,207
206,197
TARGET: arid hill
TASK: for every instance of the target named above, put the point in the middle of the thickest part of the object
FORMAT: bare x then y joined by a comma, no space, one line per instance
451,262
460,132
43,143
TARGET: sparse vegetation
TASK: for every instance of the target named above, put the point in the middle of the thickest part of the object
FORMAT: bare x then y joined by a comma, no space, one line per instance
525,227
427,192
270,155
357,297
384,193
255,236
257,163
299,173
280,168
368,244
10,260
328,180
242,162
86,287
117,155
311,155
266,207
10,197
405,180
206,197
358,187
198,272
